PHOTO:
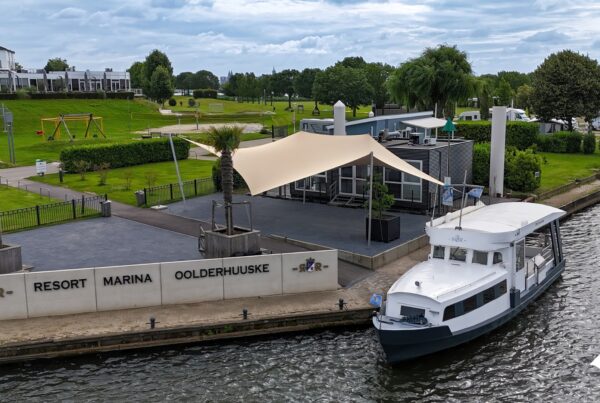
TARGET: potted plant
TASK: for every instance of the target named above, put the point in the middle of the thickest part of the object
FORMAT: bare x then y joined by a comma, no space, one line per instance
384,227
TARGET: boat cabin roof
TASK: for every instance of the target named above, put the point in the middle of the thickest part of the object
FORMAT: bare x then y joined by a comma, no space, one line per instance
495,224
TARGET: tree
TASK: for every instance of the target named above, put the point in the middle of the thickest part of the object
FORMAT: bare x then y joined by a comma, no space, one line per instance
303,82
377,75
155,59
504,92
523,97
56,64
566,85
355,62
161,87
18,68
137,75
204,79
283,83
347,84
514,78
185,81
440,76
484,96
226,140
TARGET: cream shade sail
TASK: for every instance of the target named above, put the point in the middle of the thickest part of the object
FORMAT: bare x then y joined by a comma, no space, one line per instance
304,154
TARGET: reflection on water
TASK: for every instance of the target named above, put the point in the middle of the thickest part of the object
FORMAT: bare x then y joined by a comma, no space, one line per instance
544,354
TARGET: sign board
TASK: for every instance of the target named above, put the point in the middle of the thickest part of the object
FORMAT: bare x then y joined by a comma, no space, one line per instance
40,167
13,300
190,281
122,287
309,271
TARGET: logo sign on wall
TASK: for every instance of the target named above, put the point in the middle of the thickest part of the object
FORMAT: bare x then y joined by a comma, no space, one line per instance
311,265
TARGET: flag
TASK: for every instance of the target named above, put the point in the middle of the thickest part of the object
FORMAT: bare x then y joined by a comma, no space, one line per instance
448,196
475,193
376,300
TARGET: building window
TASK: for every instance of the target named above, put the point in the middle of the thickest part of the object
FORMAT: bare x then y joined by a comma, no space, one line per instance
405,187
315,183
480,257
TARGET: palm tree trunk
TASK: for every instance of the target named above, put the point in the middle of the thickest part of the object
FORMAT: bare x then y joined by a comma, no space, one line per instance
227,181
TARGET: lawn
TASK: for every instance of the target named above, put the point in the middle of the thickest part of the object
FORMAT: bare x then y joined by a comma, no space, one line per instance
116,184
11,198
560,169
122,118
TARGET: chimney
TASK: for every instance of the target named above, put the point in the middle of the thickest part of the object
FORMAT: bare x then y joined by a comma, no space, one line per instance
497,151
339,119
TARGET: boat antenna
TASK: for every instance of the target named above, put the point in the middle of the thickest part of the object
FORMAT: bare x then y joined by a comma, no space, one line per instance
462,202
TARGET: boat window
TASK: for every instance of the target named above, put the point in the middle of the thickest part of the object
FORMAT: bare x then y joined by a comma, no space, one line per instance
410,311
449,312
520,254
480,257
458,254
497,258
475,301
438,252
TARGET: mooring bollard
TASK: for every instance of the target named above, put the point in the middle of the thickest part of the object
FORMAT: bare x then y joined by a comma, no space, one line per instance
341,304
244,314
152,322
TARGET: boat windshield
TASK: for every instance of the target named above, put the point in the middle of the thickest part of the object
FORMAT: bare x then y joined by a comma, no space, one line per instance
480,257
458,254
438,252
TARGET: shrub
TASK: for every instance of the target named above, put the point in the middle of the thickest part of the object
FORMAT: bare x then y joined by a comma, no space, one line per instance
589,143
22,93
151,178
560,142
519,168
206,93
124,154
518,134
191,102
102,170
128,176
172,102
238,181
81,167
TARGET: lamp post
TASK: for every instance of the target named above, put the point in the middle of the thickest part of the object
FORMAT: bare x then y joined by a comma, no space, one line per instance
272,93
449,128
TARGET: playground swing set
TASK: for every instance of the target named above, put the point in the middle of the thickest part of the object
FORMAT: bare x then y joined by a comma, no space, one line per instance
93,124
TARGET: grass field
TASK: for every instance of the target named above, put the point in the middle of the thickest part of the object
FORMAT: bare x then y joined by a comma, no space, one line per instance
11,198
560,169
116,184
122,118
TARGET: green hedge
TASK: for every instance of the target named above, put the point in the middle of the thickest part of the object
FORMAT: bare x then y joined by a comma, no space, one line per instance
5,96
589,143
560,142
72,95
519,168
124,154
206,93
521,135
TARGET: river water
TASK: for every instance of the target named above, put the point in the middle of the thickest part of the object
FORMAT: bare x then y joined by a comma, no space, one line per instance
542,355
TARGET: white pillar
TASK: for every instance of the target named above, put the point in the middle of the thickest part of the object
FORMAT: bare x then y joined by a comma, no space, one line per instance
497,151
339,119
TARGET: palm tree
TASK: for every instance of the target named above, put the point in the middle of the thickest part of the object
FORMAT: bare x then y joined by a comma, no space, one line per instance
226,140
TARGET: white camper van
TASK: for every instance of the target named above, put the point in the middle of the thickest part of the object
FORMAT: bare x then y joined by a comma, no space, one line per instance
515,115
469,115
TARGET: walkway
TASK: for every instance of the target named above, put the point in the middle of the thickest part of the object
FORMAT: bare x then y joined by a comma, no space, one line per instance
566,197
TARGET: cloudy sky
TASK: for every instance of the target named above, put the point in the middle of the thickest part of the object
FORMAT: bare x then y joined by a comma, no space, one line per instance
246,35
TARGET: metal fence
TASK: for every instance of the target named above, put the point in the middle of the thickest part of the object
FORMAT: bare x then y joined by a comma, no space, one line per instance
171,192
13,220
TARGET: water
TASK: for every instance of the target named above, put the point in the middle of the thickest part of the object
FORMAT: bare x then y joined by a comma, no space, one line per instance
543,355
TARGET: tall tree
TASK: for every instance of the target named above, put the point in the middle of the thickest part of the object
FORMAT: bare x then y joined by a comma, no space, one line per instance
566,85
161,86
184,81
347,84
303,82
514,78
377,75
226,140
523,97
204,79
504,93
155,59
137,75
283,83
484,88
355,62
57,64
441,76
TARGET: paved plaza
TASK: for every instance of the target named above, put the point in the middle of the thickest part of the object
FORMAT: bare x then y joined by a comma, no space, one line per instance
331,226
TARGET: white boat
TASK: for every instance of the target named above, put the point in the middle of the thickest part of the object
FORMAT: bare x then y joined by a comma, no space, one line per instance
484,268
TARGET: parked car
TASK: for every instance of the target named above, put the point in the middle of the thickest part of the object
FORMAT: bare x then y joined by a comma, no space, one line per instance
596,123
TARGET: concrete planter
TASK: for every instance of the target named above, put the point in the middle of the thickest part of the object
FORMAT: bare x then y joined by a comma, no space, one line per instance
10,259
384,229
242,243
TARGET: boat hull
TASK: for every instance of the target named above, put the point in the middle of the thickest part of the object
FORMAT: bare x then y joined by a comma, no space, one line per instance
403,345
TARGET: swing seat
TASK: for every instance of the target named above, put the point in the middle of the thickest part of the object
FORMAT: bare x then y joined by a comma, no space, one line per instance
39,132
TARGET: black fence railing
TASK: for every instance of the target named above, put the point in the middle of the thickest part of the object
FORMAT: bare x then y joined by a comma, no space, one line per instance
87,206
171,192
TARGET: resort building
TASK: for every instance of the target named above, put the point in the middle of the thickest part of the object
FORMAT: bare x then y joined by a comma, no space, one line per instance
71,80
410,136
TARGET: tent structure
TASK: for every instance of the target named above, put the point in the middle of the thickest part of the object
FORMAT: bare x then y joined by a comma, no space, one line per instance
305,154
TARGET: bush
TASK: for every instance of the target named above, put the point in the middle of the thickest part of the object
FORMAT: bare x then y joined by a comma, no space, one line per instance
191,102
172,102
206,93
560,142
589,143
124,154
238,181
78,95
518,134
519,168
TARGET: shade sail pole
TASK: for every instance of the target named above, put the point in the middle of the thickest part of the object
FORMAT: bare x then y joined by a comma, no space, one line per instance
370,202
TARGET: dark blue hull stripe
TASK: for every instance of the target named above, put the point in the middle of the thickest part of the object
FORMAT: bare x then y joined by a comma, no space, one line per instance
402,345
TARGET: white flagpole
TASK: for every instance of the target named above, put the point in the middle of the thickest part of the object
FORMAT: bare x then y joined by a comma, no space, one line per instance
370,202
176,167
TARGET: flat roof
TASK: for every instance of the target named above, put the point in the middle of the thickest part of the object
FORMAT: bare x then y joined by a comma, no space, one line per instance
400,116
8,50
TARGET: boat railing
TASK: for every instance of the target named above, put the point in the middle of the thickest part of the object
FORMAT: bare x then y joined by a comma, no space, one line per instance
412,320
